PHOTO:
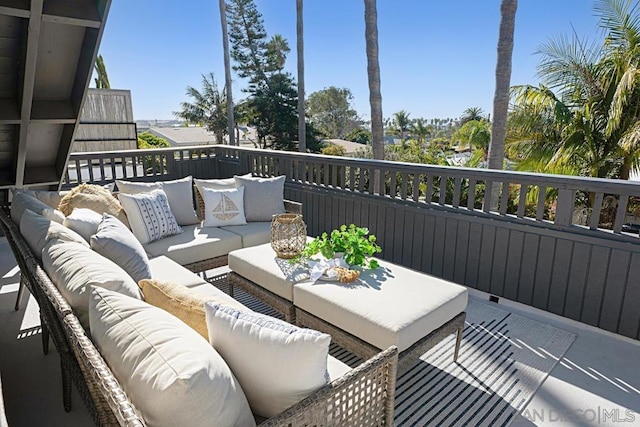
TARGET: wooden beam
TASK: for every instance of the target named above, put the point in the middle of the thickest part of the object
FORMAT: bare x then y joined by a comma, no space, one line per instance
84,72
31,56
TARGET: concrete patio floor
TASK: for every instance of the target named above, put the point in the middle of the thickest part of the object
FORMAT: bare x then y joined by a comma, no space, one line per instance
596,383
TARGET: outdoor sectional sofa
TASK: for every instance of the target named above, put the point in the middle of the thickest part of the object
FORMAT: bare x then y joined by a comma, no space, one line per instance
339,402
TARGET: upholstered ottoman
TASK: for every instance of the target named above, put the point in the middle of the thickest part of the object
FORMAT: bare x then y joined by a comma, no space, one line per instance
391,305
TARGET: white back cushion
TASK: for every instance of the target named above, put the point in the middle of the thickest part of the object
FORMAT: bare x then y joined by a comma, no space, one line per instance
277,364
83,221
74,268
22,201
223,207
149,215
115,241
263,197
38,230
172,375
179,194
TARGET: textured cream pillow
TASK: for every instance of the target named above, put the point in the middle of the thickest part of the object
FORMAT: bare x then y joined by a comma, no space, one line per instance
277,364
94,197
38,231
172,375
75,268
184,303
22,201
263,197
116,242
223,207
83,221
149,215
179,194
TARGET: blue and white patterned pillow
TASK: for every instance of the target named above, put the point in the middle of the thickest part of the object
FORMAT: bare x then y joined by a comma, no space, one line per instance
277,364
149,215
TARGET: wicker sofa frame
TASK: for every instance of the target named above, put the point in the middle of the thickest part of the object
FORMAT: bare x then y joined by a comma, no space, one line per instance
362,397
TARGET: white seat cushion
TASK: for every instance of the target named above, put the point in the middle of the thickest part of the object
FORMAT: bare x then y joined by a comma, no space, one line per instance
172,375
195,244
253,233
261,265
277,364
166,269
398,307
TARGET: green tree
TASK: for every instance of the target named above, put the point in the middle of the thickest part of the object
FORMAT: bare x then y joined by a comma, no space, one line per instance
588,107
472,113
102,79
361,136
420,130
400,125
271,105
207,109
476,134
331,111
334,150
149,141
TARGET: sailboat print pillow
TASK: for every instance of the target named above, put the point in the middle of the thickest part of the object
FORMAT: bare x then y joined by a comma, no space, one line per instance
223,207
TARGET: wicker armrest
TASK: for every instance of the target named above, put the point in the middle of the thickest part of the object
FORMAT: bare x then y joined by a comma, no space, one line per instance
103,385
363,396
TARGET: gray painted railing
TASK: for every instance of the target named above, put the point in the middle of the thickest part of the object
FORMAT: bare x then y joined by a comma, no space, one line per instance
527,246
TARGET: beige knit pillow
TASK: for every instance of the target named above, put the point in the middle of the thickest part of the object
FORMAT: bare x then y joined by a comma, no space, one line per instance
184,303
94,197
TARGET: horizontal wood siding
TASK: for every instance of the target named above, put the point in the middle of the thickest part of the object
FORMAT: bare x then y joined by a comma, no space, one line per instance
585,278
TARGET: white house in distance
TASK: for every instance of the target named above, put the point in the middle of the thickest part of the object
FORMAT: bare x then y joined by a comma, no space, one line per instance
184,136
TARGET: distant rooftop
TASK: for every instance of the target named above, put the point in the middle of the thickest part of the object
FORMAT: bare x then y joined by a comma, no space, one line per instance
184,135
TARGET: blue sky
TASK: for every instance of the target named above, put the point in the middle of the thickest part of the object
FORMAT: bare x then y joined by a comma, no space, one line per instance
437,58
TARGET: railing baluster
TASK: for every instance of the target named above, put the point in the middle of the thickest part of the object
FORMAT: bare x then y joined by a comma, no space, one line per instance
382,185
565,205
542,196
486,203
334,175
471,198
442,194
621,213
403,187
309,172
361,178
522,200
343,176
416,187
595,212
101,163
113,167
457,183
392,188
371,175
78,172
90,167
429,194
325,169
504,198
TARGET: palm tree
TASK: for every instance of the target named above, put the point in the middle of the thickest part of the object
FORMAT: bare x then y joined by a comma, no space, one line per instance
302,131
592,125
400,125
373,72
207,108
503,79
421,130
227,73
102,79
472,113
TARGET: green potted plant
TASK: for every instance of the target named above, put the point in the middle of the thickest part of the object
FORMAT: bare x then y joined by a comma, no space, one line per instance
354,243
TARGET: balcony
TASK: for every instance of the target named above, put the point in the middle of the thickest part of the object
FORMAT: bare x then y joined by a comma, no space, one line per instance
527,245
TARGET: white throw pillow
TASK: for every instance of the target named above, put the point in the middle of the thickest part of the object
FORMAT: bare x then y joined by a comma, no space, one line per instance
277,364
263,197
22,201
115,241
179,193
223,207
83,221
74,269
172,375
38,231
149,215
